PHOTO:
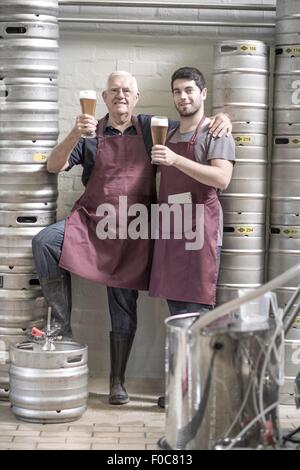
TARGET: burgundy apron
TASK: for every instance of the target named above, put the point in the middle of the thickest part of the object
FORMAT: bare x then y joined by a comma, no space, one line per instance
122,168
177,273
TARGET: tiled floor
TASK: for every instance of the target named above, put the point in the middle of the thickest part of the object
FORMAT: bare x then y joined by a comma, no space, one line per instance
137,425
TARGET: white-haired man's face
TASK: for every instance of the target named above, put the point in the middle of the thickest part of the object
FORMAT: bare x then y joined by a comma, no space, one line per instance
121,95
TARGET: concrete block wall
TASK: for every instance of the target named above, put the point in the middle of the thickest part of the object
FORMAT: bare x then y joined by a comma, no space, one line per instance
86,58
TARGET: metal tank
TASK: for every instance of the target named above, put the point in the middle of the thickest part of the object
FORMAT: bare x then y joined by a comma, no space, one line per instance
213,381
48,386
223,373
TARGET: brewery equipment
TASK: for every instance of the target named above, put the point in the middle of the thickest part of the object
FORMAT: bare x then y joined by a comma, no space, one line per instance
223,376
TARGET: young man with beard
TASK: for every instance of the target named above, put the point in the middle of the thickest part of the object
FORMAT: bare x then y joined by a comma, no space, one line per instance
195,166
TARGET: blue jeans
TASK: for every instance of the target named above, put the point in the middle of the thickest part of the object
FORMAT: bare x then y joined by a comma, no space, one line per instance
46,248
177,307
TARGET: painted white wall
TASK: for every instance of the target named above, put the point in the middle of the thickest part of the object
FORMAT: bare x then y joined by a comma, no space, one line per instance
87,56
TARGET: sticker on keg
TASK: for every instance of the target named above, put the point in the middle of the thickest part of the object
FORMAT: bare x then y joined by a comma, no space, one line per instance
250,48
39,157
291,232
292,50
243,139
245,230
296,141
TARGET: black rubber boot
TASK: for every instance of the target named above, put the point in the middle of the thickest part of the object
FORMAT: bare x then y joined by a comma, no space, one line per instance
120,347
161,402
58,294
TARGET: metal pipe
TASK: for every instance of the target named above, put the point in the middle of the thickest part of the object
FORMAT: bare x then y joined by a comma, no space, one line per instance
167,22
290,312
236,303
195,6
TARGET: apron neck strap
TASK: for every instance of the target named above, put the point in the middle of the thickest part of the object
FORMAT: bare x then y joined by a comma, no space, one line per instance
193,139
100,128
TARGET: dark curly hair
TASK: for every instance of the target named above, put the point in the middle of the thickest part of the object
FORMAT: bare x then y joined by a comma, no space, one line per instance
190,73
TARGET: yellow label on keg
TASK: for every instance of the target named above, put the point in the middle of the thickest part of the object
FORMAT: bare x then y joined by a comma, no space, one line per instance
245,229
291,232
296,141
39,157
293,50
242,139
246,47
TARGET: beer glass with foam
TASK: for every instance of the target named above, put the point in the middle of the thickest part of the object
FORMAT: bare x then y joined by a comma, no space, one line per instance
88,100
159,129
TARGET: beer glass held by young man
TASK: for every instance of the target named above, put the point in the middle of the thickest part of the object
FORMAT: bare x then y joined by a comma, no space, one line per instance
88,101
159,129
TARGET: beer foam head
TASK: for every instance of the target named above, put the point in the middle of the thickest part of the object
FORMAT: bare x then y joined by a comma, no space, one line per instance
87,94
161,121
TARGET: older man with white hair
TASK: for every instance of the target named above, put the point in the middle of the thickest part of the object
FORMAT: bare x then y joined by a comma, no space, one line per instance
117,162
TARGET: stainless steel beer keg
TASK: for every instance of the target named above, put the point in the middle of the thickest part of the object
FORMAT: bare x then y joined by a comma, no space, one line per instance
284,251
285,196
29,58
241,55
27,183
48,386
242,258
15,246
21,10
240,84
6,340
20,308
31,120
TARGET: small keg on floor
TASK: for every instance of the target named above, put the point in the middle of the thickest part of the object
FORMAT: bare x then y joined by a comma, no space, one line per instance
48,386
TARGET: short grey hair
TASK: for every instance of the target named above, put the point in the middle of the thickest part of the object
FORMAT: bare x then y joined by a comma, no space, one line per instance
122,73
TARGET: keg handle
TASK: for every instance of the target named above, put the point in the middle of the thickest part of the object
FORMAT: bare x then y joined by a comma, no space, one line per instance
77,359
3,91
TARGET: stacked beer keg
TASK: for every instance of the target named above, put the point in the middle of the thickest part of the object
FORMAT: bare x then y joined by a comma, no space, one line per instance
284,249
28,131
240,88
285,180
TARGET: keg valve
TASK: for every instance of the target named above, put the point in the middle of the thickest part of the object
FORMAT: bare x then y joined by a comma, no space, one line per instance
48,346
